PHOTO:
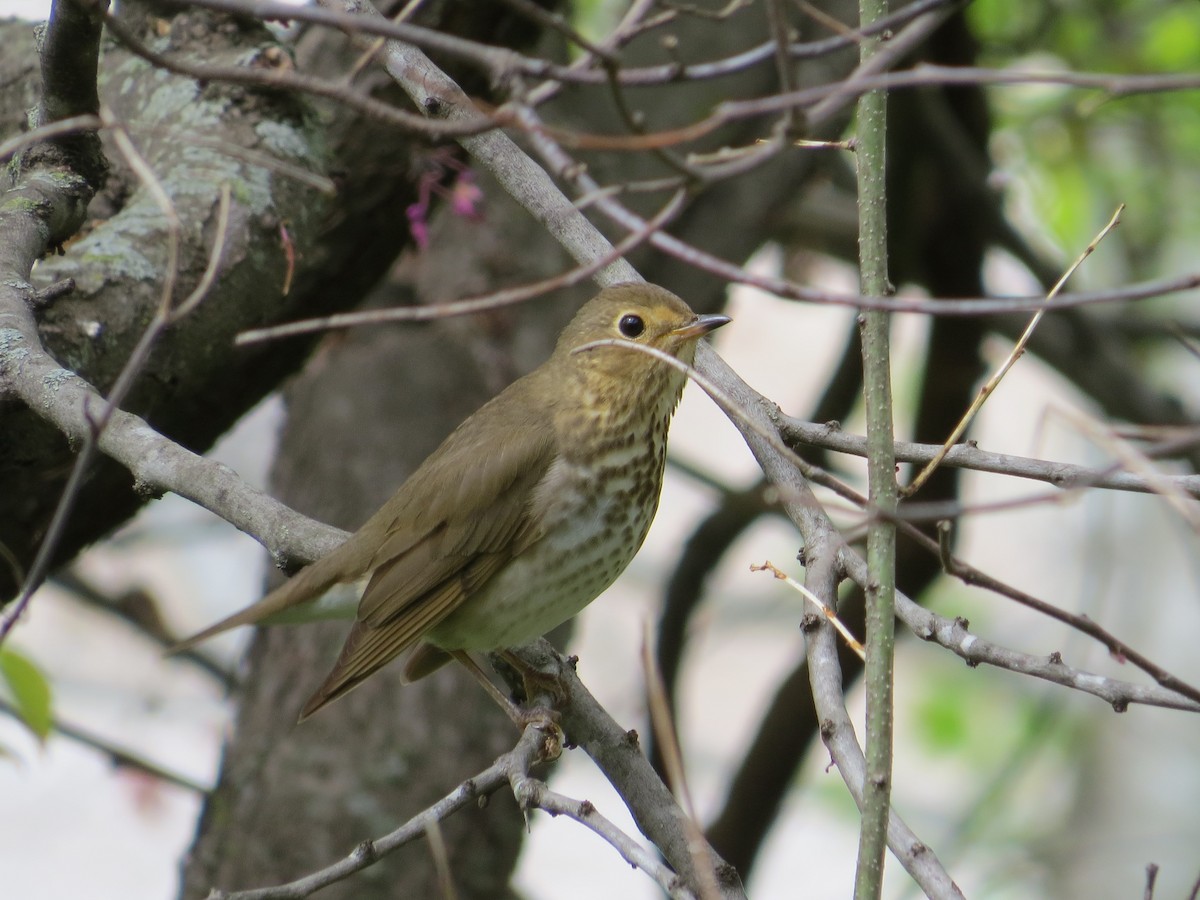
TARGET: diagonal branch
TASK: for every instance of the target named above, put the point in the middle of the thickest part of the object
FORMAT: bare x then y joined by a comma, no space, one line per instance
528,752
591,728
158,464
618,755
824,555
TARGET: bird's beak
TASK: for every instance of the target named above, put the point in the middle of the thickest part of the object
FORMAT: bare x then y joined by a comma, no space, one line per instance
700,326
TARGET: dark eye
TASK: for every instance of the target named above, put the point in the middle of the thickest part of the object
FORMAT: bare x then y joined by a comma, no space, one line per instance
631,326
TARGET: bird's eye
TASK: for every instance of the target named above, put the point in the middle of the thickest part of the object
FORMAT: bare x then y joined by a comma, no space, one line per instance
631,326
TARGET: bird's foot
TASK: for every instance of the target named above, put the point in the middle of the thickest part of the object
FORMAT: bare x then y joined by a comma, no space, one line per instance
541,717
534,681
545,721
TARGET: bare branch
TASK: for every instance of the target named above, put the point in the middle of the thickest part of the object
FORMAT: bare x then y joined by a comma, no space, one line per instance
526,754
617,754
1017,351
1068,476
532,793
968,574
560,162
784,471
500,64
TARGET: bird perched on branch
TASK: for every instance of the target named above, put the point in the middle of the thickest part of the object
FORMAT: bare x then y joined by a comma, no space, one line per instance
526,513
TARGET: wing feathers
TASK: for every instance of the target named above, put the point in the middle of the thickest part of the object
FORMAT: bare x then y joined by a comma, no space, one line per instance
370,647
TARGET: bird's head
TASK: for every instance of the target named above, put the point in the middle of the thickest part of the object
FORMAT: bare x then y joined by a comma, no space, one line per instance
634,313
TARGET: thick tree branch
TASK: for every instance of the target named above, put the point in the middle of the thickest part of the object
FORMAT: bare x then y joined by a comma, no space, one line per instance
70,56
54,182
67,353
157,464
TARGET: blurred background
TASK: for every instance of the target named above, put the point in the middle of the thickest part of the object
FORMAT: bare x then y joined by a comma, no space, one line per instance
1023,789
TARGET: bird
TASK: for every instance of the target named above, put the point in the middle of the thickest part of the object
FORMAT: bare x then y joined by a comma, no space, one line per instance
525,514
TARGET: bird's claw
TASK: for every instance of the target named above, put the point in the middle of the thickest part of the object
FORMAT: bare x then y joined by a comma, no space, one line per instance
552,738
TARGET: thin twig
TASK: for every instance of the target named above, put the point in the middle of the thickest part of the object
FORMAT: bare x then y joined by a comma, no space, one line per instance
557,160
441,859
502,63
667,739
1069,476
847,635
534,793
777,21
1133,460
879,592
1151,878
1120,650
971,575
521,758
49,131
1018,351
138,610
470,305
616,752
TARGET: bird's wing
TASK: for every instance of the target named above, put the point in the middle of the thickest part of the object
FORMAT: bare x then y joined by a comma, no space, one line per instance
472,501
369,648
464,518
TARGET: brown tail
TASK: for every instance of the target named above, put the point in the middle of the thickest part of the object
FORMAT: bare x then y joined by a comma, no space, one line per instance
306,585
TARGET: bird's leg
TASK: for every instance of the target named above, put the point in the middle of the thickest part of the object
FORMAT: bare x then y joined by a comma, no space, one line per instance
535,681
544,718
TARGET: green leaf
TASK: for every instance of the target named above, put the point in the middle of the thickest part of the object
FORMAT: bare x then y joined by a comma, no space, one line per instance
29,691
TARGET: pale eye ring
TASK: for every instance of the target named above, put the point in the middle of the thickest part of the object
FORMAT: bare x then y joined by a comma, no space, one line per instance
631,325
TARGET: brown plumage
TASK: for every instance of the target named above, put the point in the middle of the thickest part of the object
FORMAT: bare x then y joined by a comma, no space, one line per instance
525,513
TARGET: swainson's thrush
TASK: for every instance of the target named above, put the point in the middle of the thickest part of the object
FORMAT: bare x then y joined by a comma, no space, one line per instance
526,512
